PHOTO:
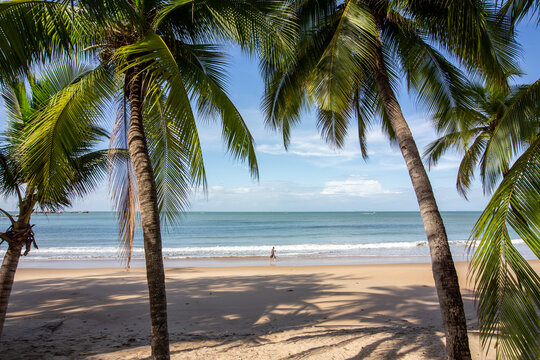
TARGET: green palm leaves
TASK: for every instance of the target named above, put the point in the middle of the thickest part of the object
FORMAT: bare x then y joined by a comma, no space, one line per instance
66,127
499,125
489,128
507,288
44,132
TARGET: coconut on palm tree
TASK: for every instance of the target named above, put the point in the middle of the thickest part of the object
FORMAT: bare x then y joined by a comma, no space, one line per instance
72,166
167,56
349,59
498,126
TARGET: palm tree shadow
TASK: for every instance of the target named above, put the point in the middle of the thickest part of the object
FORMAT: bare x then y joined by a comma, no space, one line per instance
89,316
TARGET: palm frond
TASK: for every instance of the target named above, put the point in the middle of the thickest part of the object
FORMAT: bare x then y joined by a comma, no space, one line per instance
518,9
343,64
170,159
34,31
507,288
473,155
438,84
67,122
10,174
473,31
265,28
123,183
213,102
168,83
521,121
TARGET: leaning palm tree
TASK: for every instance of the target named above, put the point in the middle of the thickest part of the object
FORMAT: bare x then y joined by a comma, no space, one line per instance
490,134
75,167
168,58
350,55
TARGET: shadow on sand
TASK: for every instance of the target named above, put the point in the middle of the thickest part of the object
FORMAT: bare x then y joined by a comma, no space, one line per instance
96,317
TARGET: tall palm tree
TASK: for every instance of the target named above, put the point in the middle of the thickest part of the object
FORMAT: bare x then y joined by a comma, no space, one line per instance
167,56
350,55
501,124
75,166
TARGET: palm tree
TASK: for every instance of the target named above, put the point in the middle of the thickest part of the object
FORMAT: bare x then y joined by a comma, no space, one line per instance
501,124
471,131
350,55
167,58
506,287
74,165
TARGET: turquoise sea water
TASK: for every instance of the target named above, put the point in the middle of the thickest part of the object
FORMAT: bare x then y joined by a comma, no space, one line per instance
346,237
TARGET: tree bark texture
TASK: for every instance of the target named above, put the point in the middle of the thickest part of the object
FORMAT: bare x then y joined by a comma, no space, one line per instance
146,186
444,271
7,274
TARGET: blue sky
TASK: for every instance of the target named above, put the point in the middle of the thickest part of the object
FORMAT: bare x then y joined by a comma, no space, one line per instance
311,176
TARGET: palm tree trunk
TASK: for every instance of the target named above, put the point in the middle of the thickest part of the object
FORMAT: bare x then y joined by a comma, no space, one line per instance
146,186
7,274
16,237
444,272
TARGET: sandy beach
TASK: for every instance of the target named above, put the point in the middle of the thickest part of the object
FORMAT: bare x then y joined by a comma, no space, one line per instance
280,312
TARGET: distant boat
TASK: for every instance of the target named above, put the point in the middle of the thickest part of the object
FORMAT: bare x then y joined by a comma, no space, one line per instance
367,213
84,212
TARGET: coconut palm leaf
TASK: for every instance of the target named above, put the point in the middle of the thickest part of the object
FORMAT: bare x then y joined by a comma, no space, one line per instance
214,21
471,30
51,27
68,121
525,104
123,183
170,159
436,82
518,9
199,71
507,288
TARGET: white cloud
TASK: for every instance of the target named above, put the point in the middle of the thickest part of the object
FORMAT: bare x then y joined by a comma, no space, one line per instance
355,185
309,146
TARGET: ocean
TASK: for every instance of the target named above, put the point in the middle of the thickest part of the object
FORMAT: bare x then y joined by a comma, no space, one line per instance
245,238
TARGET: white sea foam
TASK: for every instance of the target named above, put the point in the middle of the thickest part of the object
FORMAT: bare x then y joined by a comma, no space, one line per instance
307,249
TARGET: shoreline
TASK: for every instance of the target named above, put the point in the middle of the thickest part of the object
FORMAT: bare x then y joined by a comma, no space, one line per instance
229,262
245,312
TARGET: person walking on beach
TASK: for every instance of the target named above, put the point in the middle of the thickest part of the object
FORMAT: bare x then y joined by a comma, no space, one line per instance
273,256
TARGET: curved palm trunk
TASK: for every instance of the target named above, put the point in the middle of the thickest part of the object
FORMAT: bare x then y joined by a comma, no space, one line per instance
7,274
444,272
146,186
16,237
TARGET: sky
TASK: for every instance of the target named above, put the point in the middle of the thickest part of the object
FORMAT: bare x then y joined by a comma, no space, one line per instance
310,176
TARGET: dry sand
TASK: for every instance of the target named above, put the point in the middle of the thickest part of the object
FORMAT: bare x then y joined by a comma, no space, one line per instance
322,312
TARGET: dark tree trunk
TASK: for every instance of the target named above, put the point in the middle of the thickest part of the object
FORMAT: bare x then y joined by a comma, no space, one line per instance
18,235
7,274
146,186
444,272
